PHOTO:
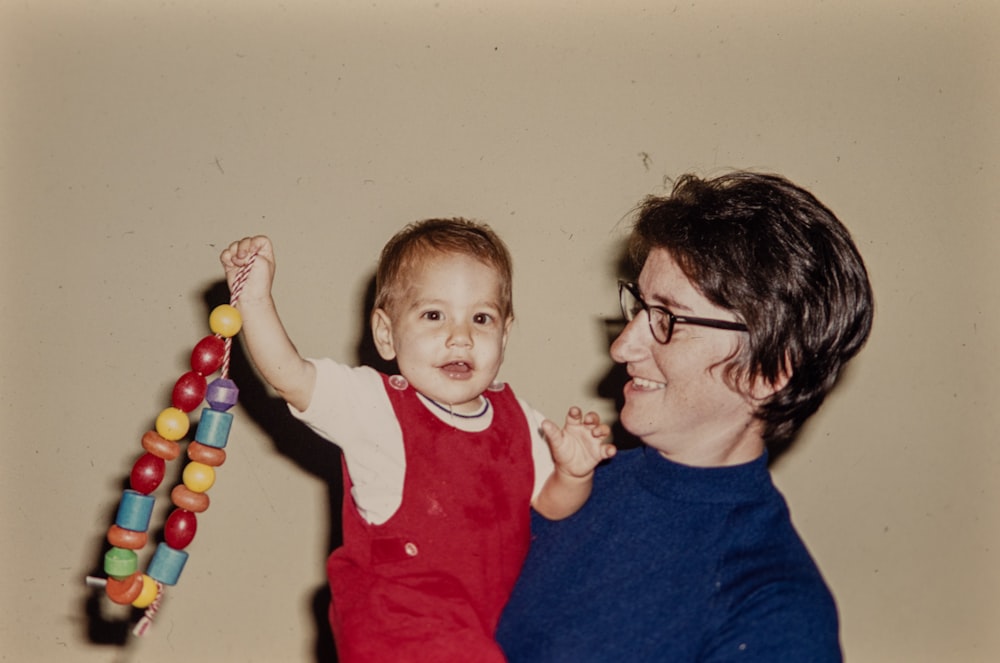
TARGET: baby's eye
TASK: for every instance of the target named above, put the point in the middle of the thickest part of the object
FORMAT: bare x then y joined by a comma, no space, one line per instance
433,316
482,318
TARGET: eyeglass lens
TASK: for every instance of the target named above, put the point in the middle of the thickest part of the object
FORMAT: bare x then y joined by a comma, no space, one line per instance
660,323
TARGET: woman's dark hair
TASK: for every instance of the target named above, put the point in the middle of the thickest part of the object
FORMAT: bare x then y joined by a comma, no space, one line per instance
769,251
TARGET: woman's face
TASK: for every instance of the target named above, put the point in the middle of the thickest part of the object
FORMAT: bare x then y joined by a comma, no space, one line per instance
677,400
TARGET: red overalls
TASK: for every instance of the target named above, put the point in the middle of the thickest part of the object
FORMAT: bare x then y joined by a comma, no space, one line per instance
429,584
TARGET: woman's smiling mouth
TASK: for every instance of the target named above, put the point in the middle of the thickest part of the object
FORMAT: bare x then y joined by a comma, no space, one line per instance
647,385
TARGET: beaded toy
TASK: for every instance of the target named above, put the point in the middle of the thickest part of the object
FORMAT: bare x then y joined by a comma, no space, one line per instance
125,583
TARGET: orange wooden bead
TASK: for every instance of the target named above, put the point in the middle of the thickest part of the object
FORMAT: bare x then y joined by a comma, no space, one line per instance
187,499
206,455
120,537
124,591
160,446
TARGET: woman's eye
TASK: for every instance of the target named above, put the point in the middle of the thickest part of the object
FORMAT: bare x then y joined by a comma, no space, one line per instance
660,320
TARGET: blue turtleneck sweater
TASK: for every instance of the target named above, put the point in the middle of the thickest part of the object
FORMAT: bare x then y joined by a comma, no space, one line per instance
673,563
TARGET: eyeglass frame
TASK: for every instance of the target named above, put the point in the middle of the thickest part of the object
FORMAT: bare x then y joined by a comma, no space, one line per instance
672,319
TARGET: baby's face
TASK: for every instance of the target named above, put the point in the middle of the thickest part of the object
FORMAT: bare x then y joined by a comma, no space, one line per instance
446,331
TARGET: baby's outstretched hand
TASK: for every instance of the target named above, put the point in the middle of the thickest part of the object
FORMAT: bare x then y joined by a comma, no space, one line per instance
580,445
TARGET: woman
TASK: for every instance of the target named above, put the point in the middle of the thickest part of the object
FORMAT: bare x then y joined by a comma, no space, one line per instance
750,298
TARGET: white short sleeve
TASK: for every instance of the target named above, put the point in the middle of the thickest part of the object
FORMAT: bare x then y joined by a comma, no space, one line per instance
350,408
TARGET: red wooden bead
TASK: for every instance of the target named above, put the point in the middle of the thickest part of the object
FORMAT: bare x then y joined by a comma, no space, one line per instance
180,528
189,391
206,358
147,473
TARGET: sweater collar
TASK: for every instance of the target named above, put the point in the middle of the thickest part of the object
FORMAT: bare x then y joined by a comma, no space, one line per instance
719,485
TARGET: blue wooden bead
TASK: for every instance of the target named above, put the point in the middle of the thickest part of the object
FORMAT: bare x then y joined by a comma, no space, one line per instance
167,564
134,511
222,394
213,428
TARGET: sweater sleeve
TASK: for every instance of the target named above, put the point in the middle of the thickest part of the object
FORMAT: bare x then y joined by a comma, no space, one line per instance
793,620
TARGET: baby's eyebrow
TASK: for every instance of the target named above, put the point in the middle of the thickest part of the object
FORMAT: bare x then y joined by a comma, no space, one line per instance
488,304
425,301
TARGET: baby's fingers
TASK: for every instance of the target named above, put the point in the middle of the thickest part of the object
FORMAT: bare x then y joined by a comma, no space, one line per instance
239,252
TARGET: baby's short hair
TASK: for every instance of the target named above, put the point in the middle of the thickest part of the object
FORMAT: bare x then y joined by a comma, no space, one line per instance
420,240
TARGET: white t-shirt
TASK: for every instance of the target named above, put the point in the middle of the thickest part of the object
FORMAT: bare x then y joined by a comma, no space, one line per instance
350,408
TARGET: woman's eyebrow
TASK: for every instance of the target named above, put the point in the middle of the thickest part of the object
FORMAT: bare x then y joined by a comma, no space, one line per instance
666,301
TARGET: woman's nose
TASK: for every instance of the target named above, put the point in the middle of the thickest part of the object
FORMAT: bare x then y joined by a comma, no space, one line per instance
630,345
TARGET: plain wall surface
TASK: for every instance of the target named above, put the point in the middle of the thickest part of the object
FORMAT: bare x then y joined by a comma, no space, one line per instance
138,138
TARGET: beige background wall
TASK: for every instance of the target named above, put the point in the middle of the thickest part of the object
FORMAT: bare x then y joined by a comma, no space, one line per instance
138,138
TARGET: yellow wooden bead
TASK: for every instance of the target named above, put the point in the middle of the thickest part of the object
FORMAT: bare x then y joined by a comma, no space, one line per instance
225,321
198,477
148,593
172,424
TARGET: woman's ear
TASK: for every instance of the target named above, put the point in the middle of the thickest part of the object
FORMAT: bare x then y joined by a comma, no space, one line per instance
382,334
761,389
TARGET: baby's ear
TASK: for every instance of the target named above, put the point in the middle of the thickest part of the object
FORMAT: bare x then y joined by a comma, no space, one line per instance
508,323
382,334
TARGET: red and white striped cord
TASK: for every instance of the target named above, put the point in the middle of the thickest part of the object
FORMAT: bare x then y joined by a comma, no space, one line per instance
234,296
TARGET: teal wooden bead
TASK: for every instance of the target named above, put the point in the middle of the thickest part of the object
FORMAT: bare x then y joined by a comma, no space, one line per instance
213,428
120,563
167,564
134,511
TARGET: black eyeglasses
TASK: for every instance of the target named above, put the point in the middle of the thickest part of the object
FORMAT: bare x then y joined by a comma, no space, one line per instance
661,320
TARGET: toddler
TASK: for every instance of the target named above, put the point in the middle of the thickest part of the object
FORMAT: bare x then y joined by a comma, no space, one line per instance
440,462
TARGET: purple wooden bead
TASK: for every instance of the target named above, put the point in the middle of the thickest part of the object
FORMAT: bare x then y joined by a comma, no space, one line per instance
222,394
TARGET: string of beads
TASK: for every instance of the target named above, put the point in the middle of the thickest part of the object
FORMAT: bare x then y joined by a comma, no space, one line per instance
125,583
